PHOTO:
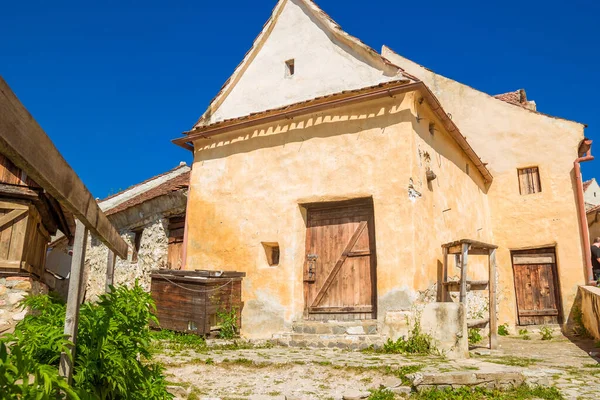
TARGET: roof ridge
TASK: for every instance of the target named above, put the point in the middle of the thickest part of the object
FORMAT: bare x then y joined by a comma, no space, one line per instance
143,182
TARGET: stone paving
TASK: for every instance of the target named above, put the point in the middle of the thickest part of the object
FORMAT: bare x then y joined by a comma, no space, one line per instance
295,373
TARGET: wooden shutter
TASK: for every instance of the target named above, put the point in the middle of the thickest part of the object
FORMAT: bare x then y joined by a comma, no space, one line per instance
529,180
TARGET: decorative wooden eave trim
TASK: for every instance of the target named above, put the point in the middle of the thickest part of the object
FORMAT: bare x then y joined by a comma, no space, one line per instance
337,100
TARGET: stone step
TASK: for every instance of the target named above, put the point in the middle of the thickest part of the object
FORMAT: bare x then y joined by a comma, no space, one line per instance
311,340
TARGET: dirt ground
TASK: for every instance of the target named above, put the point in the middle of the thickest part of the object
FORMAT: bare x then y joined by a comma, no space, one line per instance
294,373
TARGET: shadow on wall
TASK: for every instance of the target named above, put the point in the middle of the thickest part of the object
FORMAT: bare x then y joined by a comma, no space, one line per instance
328,124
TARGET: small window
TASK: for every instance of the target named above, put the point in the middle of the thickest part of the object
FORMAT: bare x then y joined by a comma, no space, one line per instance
290,68
272,253
137,240
529,180
467,169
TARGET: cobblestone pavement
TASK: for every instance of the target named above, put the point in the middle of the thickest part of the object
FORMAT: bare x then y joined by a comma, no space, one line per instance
294,373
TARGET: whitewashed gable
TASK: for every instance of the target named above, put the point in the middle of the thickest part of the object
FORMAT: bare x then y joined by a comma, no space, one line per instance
326,61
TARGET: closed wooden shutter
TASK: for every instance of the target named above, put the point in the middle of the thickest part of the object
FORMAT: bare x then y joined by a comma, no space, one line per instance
529,180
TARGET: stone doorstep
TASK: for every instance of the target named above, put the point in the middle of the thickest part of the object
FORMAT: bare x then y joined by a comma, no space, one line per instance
350,342
367,327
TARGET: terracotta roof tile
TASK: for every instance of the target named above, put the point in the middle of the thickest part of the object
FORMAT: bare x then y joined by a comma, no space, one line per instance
593,209
177,183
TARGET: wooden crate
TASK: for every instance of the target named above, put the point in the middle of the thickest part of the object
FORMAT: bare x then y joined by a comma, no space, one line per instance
188,301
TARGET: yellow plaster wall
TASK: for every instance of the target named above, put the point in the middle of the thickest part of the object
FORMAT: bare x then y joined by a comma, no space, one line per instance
247,187
509,137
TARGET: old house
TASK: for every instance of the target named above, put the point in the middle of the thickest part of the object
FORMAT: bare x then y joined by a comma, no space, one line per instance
332,175
150,217
591,191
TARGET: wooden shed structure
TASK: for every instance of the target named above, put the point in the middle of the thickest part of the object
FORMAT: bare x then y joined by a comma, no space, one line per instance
29,216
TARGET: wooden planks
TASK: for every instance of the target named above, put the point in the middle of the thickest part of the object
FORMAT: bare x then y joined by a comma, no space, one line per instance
536,287
339,275
191,305
24,142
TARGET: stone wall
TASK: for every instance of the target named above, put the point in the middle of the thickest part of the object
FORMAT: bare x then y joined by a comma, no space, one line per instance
152,255
13,289
590,309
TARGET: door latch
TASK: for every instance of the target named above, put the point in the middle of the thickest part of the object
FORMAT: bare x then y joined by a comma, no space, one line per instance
311,270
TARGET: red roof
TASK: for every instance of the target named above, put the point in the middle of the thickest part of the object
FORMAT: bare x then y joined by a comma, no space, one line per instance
179,182
518,97
593,210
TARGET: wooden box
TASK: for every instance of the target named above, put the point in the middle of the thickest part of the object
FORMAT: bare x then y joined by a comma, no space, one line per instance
188,301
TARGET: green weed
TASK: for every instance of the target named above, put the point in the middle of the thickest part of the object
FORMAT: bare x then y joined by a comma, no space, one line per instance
381,394
524,333
475,335
416,343
228,322
520,393
503,330
546,333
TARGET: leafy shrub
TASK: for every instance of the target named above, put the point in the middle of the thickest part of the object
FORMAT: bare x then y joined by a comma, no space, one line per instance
503,330
23,378
546,333
228,322
416,343
474,335
381,394
524,333
113,344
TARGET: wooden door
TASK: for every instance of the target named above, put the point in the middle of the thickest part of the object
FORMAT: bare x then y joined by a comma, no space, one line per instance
339,275
175,250
536,287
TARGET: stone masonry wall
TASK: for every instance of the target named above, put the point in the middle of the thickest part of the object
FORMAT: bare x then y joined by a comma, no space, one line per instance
13,289
152,255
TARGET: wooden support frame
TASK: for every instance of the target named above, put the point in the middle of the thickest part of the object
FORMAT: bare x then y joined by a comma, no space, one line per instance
75,285
461,250
110,270
25,143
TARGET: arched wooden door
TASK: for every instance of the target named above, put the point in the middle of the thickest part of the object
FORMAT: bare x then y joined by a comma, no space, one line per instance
340,267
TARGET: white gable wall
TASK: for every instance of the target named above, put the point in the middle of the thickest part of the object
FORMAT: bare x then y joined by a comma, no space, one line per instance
592,194
323,66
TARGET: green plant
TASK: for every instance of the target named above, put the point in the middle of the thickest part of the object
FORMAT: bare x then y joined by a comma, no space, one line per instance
503,330
381,394
416,343
112,358
524,333
176,341
228,322
546,333
474,335
579,328
21,377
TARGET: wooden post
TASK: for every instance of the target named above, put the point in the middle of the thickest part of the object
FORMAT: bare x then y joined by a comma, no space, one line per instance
110,269
463,274
443,278
493,288
75,283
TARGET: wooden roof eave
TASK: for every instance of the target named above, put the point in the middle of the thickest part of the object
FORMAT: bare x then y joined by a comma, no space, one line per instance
337,100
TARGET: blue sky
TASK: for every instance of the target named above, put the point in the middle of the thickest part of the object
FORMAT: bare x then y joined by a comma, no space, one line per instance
113,82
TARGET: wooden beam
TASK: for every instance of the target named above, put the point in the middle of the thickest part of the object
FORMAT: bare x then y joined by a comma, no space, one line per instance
492,295
75,286
110,270
463,274
24,142
9,218
442,277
